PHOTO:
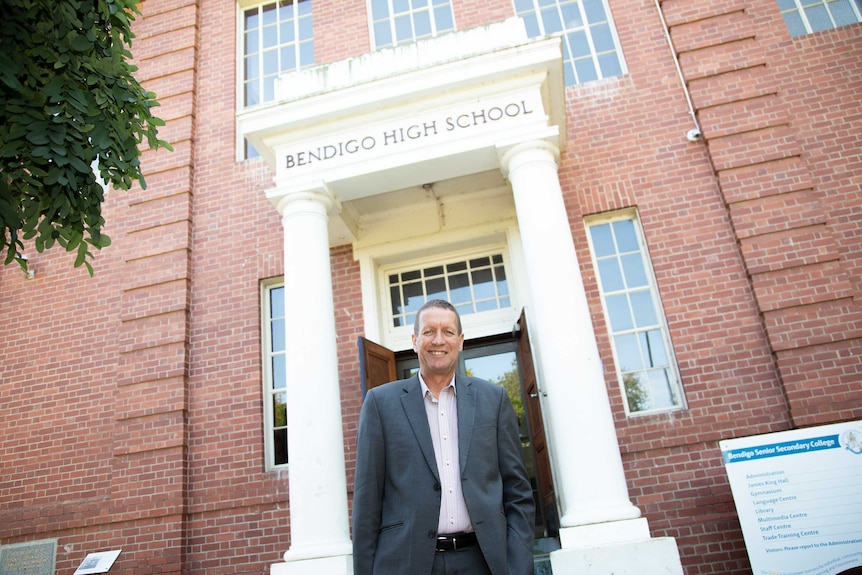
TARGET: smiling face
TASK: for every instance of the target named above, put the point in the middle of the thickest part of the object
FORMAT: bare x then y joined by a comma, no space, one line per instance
437,341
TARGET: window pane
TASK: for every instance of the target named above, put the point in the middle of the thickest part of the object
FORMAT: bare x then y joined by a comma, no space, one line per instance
279,442
569,73
399,6
654,351
459,287
602,38
521,5
306,28
252,20
269,14
277,335
483,289
643,310
633,268
413,296
306,54
379,9
443,19
628,352
423,23
551,20
252,94
572,16
637,395
531,23
794,23
585,71
660,389
620,315
270,62
609,64
595,11
279,372
603,243
818,18
610,275
269,89
579,44
627,239
288,34
436,288
276,301
842,13
403,28
270,36
252,38
251,68
382,34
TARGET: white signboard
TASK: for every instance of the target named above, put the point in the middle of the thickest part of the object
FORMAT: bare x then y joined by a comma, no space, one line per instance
798,495
98,562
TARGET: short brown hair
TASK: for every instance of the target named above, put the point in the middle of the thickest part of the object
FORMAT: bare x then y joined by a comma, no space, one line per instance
441,303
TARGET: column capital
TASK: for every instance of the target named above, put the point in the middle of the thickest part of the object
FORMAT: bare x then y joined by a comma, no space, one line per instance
317,198
531,150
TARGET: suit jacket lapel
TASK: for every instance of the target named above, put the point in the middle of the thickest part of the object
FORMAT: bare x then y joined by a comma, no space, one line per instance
414,408
466,400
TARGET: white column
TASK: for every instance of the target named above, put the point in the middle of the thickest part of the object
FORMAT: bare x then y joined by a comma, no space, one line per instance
590,482
319,526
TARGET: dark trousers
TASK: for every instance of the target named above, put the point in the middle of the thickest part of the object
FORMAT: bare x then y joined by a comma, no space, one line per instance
467,561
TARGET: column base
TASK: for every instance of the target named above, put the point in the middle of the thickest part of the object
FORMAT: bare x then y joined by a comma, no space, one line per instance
607,533
333,565
658,556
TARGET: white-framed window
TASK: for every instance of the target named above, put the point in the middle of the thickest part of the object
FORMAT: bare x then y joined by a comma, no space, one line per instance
395,22
274,374
643,356
591,49
274,37
809,16
472,283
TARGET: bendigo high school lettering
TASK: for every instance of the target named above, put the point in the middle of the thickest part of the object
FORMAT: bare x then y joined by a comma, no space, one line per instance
401,134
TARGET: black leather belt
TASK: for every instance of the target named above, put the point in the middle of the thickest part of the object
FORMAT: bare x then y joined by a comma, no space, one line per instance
455,541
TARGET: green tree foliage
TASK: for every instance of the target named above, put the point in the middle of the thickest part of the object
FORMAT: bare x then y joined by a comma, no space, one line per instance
69,105
636,393
511,381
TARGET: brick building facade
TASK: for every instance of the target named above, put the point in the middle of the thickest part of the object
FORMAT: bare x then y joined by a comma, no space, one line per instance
137,408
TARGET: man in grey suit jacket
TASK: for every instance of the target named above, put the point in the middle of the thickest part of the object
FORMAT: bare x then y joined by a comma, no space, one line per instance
417,512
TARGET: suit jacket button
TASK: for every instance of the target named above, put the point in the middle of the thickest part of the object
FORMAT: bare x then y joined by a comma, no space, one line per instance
436,486
432,534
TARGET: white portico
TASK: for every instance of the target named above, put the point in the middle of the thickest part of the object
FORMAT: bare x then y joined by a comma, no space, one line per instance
467,103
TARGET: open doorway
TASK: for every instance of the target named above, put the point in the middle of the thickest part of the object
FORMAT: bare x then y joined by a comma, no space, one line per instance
503,359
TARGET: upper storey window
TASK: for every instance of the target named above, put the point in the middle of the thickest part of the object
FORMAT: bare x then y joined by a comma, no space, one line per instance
590,45
395,22
807,16
276,38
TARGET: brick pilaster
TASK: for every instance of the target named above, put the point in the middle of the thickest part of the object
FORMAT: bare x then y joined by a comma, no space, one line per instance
794,263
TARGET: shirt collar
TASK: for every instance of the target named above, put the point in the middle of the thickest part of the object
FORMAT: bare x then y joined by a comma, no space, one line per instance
426,391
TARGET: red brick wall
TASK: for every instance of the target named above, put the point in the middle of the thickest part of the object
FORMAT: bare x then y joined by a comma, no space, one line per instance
132,406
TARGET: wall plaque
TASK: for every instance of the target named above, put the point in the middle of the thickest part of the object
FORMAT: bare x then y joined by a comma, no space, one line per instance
30,558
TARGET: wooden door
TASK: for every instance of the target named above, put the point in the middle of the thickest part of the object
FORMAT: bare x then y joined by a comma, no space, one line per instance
544,479
376,364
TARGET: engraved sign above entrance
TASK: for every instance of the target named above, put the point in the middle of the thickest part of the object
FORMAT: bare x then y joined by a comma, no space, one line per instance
441,108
